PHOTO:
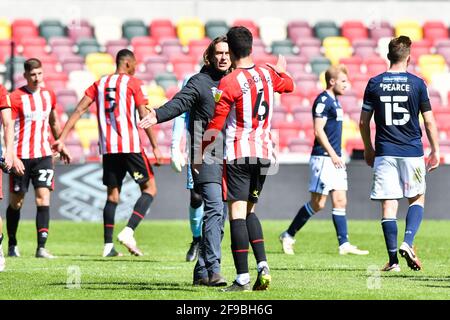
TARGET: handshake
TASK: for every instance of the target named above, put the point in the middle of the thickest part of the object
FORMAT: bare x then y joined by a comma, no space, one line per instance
4,166
149,120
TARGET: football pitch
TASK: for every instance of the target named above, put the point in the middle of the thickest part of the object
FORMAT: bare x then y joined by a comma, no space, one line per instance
316,272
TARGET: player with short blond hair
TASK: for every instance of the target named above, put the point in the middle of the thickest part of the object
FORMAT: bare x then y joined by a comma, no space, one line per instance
328,173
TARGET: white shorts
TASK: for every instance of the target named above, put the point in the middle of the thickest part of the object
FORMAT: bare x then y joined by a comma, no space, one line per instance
397,177
325,177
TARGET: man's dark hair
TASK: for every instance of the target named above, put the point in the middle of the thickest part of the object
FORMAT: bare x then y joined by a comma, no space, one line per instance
123,54
209,56
399,49
31,64
240,41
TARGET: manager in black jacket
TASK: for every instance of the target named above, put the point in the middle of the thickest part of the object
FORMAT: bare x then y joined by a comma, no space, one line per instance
197,97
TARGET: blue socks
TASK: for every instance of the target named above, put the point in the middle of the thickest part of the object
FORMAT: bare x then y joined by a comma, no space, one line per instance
413,220
300,219
340,224
390,236
195,220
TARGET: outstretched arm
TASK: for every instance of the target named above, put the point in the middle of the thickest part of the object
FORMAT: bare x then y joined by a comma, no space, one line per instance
143,112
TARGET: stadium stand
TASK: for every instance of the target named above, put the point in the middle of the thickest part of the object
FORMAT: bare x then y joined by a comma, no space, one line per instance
79,52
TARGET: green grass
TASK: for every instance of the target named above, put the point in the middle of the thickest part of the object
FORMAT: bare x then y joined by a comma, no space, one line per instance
315,272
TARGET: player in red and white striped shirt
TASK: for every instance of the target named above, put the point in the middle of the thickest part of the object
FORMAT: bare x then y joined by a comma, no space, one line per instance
5,114
245,100
119,98
34,114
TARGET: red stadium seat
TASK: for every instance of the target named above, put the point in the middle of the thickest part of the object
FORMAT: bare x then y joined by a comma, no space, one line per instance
364,48
183,65
198,47
381,29
309,47
353,144
49,63
375,66
296,63
79,29
56,80
354,30
66,98
434,31
292,101
265,58
298,29
5,50
350,102
161,29
156,64
171,92
419,48
23,28
114,46
71,63
353,65
249,24
171,48
443,121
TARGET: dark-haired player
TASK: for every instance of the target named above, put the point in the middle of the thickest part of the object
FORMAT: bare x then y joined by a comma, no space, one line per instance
396,98
33,111
244,101
120,98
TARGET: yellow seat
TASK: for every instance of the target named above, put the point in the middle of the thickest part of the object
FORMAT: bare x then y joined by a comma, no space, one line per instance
337,48
98,57
5,29
190,29
431,64
350,130
323,83
410,28
102,68
100,64
336,41
156,96
87,131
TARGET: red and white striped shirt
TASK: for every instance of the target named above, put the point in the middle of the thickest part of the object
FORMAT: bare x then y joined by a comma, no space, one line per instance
4,99
245,100
31,111
117,97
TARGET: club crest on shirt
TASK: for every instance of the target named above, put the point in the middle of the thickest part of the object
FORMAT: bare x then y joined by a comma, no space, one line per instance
216,93
320,107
